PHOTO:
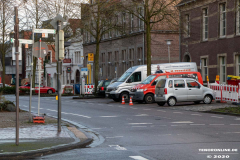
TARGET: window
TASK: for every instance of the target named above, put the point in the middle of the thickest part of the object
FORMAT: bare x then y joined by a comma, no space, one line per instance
222,20
140,21
103,57
194,76
132,22
109,63
131,57
187,26
204,68
158,79
116,30
223,69
124,22
192,84
238,17
136,77
86,35
161,83
205,24
179,84
170,84
238,65
116,56
139,56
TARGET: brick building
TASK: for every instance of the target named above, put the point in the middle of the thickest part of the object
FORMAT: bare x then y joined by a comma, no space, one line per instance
118,52
211,36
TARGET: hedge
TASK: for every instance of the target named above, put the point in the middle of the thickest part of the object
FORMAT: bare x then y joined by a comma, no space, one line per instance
8,90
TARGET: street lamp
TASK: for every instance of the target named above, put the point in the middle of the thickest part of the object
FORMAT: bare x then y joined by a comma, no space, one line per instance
168,43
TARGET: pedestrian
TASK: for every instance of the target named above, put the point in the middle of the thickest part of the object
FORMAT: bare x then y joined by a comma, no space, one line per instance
158,70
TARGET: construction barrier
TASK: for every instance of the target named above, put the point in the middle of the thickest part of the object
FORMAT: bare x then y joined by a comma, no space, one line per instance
88,88
225,92
67,89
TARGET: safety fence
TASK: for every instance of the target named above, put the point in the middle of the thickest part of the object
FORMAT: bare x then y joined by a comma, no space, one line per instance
225,92
88,88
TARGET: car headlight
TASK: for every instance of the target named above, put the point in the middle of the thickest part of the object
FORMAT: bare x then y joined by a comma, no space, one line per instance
115,89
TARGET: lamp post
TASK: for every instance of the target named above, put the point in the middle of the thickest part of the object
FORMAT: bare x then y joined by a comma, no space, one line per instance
169,43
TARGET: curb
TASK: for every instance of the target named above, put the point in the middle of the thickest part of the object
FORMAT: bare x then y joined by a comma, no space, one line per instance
42,152
223,113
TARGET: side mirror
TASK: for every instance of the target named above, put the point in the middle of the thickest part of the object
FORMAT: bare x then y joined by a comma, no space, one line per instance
129,80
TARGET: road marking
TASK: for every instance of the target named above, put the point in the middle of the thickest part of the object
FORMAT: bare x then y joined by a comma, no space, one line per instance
197,124
96,128
237,119
216,124
133,108
108,116
161,111
117,147
139,126
115,137
65,113
110,105
121,107
138,123
79,115
52,110
140,115
100,104
178,125
146,109
235,124
231,132
182,122
138,157
196,114
178,112
216,117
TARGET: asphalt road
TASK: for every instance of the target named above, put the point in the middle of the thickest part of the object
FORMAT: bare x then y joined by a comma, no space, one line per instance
144,131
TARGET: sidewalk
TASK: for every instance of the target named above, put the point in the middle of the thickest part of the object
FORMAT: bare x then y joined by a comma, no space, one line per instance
37,139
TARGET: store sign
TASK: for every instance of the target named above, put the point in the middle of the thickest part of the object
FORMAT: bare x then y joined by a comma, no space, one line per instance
68,69
67,61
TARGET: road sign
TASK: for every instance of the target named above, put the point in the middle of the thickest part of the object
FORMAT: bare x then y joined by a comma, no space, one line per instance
50,31
14,53
44,35
62,21
12,40
84,71
90,57
24,41
44,49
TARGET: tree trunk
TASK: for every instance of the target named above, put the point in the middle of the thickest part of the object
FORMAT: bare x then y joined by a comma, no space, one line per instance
148,33
3,46
34,71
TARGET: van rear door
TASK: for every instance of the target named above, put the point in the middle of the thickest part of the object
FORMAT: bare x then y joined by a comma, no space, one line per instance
159,90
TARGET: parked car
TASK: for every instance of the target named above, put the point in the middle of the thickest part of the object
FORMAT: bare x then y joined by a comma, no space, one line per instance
144,92
102,86
6,85
43,89
136,74
173,90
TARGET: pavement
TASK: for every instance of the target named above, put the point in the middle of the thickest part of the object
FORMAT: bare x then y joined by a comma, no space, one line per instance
37,139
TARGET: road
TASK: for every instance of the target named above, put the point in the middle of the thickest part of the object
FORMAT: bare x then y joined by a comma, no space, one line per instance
144,131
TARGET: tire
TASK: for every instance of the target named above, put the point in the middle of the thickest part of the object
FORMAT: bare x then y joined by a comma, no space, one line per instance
171,101
116,100
149,98
207,99
125,95
161,103
197,102
49,91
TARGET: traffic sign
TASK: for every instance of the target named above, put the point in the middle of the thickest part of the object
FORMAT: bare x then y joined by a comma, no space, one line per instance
24,41
44,35
62,21
90,57
50,31
36,48
84,71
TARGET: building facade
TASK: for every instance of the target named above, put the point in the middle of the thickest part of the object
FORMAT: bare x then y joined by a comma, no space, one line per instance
210,36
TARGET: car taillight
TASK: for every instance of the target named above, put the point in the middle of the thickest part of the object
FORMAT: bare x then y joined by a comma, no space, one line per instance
165,90
102,88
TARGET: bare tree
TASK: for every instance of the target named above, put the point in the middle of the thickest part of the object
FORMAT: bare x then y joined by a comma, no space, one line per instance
156,15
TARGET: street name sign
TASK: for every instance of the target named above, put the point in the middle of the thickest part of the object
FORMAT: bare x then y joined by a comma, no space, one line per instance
24,41
50,31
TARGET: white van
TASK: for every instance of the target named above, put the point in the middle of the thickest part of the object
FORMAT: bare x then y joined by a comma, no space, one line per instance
137,74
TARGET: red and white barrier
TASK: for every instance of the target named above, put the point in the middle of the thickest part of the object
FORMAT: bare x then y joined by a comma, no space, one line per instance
88,88
225,92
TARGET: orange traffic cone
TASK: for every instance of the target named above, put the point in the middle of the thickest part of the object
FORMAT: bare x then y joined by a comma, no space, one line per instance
123,102
130,102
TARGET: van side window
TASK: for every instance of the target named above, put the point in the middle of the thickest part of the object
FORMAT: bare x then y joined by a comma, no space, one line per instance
136,77
192,84
179,84
161,83
170,84
157,79
190,75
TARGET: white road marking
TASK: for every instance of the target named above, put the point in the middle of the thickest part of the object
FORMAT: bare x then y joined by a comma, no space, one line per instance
196,114
138,157
115,137
121,107
139,126
138,123
231,132
235,124
178,112
110,105
79,115
64,113
108,116
141,115
100,104
146,109
96,128
117,147
178,125
182,122
197,124
133,108
161,111
216,117
52,110
237,119
216,124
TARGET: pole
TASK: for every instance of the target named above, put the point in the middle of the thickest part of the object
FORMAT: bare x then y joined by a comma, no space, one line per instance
31,75
17,74
39,74
58,81
168,54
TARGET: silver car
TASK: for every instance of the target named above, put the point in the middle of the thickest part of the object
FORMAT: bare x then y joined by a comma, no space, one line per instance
173,90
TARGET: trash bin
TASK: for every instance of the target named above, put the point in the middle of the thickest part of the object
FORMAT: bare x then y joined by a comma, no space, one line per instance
76,88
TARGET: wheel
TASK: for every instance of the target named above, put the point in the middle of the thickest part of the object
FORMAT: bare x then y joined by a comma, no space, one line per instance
116,100
197,102
49,91
207,99
149,98
161,103
171,101
125,95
